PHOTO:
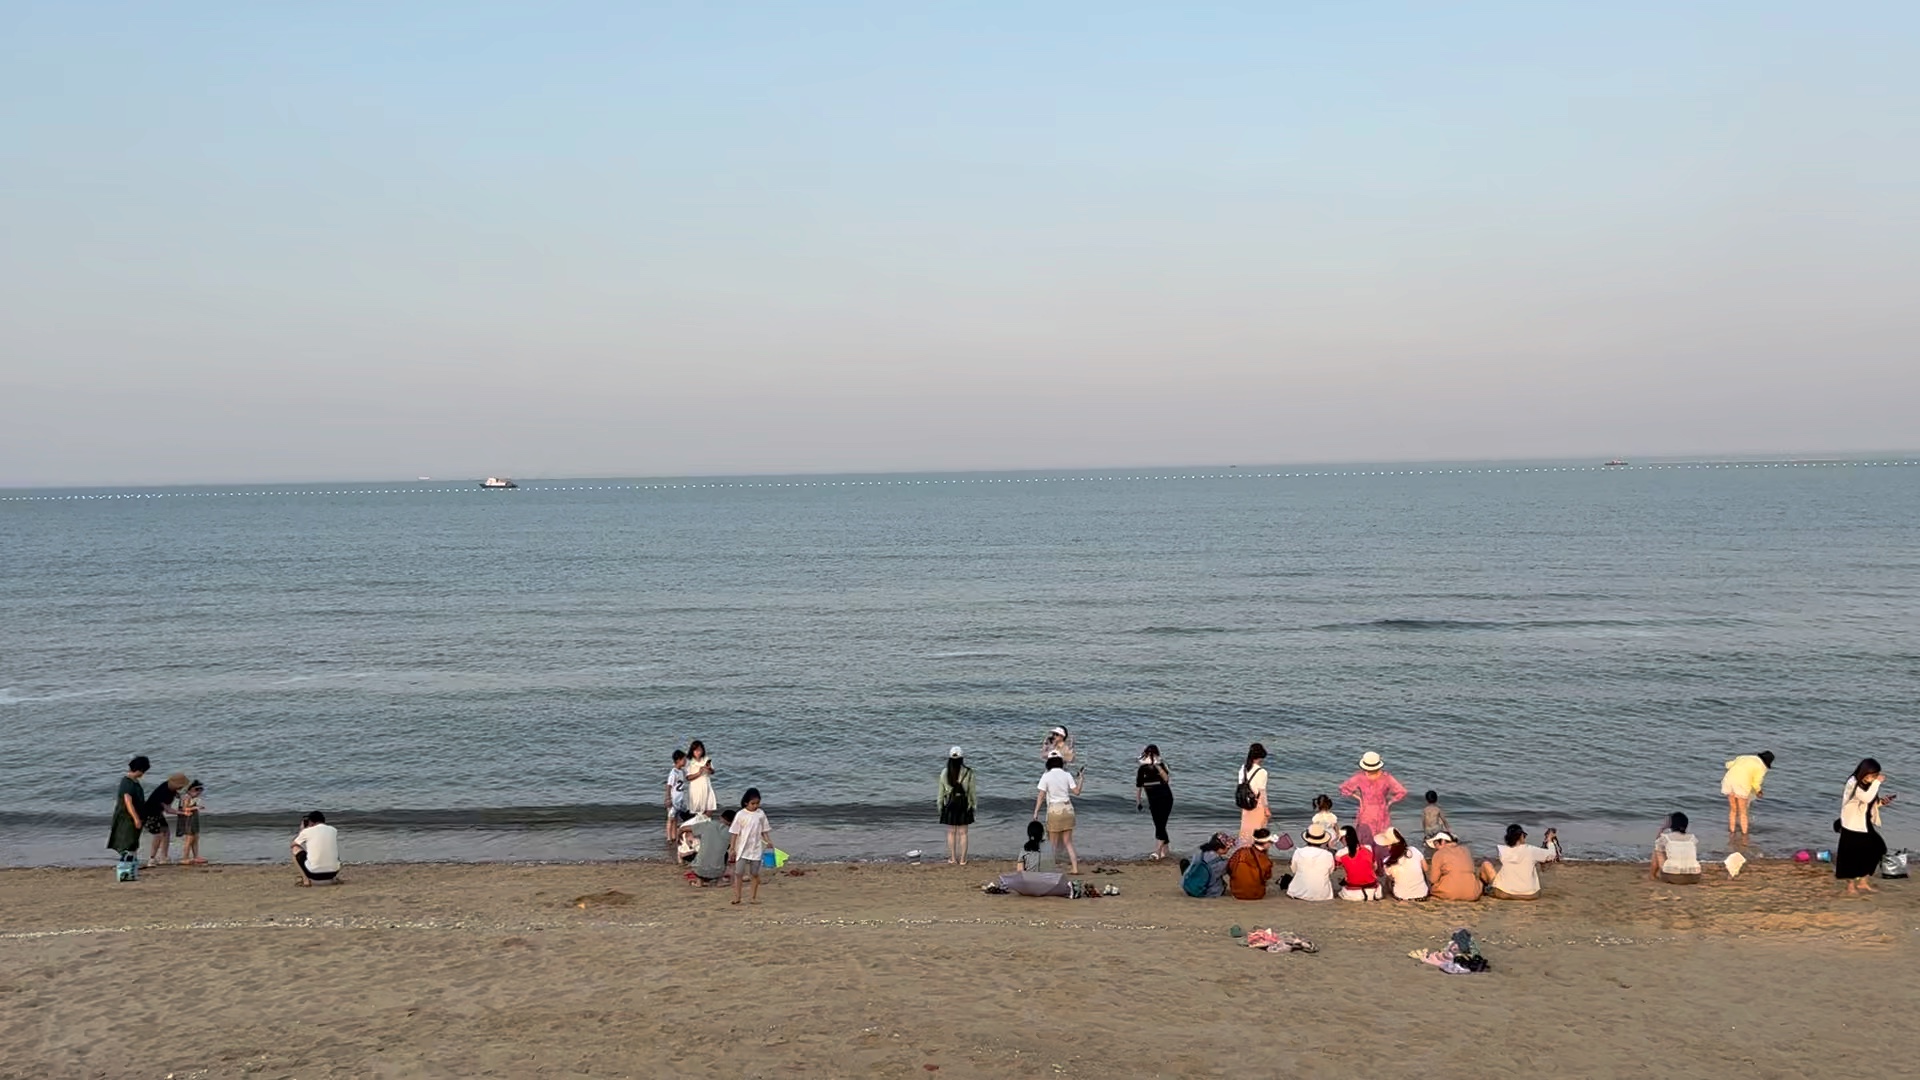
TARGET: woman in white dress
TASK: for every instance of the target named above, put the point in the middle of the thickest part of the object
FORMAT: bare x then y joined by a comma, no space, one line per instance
1406,868
700,798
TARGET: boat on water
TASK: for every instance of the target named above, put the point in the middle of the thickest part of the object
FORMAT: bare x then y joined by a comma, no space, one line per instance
1617,461
496,483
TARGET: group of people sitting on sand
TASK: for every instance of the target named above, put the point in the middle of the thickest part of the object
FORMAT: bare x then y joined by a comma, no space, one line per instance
1328,865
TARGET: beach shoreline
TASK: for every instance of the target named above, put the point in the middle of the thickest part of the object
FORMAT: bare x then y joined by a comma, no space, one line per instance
620,968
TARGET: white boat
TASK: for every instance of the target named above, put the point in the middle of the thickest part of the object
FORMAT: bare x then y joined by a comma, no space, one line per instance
495,483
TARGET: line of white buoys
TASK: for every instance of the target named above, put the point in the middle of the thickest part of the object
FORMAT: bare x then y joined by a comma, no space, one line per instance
1084,479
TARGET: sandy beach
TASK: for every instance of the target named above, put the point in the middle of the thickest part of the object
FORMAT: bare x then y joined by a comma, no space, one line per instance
893,970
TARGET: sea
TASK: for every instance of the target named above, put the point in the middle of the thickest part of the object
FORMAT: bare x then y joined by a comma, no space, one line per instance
458,674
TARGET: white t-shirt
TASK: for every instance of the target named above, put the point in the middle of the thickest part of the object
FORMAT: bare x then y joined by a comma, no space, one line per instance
1326,820
751,827
322,845
1682,852
1409,876
1257,781
1058,784
1519,869
1312,869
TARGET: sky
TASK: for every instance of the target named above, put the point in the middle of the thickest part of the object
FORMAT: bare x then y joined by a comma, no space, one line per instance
242,241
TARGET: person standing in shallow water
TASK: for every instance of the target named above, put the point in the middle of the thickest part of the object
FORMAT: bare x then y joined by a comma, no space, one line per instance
957,801
1377,791
700,797
1741,785
129,806
1154,783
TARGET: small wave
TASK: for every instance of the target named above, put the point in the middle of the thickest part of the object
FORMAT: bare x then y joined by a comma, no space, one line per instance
1524,624
11,696
1182,630
969,654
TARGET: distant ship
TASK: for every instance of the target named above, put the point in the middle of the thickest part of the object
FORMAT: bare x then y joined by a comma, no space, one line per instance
497,482
1615,461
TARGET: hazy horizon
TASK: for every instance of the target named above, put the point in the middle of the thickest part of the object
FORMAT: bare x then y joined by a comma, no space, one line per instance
257,245
1755,458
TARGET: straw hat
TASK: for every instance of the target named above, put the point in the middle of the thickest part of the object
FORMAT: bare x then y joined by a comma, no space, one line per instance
1441,837
1386,837
1371,762
1315,836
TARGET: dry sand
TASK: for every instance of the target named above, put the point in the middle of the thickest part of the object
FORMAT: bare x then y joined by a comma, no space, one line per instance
494,970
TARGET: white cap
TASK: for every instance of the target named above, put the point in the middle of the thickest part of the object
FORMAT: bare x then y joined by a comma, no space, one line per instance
955,752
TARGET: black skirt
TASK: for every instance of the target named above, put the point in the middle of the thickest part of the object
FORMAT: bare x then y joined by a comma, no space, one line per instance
1859,853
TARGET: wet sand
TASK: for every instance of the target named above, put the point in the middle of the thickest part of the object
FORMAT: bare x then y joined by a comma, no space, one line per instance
867,970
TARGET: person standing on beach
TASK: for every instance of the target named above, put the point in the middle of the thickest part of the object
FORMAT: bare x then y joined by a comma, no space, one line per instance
1250,793
677,794
1377,791
1860,850
1741,785
957,800
1057,789
129,806
187,823
700,797
1154,782
154,816
752,836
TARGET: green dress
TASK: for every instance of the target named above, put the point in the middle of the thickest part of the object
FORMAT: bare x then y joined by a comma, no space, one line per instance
126,835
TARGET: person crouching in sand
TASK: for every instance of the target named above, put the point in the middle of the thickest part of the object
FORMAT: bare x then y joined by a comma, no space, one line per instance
709,866
316,850
1676,854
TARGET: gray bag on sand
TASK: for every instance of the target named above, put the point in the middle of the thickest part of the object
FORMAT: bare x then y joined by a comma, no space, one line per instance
1893,864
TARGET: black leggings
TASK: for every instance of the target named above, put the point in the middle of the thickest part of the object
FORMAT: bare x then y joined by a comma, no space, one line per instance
1160,803
313,875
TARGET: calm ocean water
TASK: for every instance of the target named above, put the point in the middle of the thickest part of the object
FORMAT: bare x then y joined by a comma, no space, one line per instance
457,674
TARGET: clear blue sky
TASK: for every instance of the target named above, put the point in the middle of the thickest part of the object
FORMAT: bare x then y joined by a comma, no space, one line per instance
259,241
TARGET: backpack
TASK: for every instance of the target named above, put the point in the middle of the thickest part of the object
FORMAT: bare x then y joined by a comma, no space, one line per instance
1197,877
1244,796
128,868
957,796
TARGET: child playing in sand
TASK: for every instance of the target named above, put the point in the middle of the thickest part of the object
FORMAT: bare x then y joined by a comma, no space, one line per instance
1432,818
186,823
751,837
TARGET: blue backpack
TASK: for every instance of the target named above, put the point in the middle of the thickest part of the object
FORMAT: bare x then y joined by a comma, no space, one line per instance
128,869
1195,879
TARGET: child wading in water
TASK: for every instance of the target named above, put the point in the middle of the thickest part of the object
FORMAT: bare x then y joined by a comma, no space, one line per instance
751,839
186,823
1432,818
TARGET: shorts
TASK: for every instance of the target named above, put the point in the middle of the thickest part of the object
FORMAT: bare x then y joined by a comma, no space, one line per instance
1680,879
186,825
1365,892
743,868
1059,818
157,824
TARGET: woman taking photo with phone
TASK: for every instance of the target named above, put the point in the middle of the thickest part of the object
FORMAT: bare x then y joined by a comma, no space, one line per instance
1860,849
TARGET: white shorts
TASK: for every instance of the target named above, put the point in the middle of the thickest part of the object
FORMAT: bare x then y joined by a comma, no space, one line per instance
1370,892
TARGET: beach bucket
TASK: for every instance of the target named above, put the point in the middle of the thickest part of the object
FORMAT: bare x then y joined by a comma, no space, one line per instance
127,869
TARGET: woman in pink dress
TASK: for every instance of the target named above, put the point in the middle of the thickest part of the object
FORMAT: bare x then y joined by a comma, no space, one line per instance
1377,791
